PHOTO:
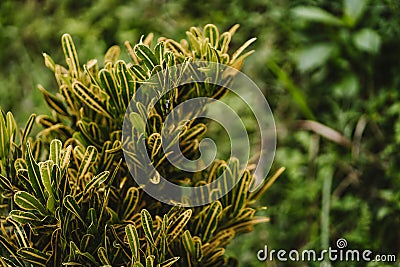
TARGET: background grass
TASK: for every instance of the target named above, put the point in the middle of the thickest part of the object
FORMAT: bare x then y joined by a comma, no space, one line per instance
332,62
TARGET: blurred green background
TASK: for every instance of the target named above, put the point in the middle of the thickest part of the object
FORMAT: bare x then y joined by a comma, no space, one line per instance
329,69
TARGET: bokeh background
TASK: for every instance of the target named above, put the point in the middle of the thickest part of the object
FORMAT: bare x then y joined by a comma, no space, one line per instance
329,69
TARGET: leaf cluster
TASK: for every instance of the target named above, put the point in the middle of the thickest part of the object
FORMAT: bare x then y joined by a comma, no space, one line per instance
67,197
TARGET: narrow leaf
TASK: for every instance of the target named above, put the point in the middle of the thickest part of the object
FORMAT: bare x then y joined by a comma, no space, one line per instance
88,160
23,217
133,239
72,206
89,98
27,201
96,181
34,175
147,224
55,151
168,262
177,227
146,55
33,256
71,56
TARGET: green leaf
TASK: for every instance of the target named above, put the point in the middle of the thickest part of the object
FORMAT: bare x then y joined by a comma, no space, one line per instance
353,10
146,55
23,217
195,44
9,250
71,205
139,72
34,175
239,51
54,102
28,127
49,62
240,192
177,227
5,183
211,220
159,50
367,40
154,142
314,56
46,172
55,151
188,243
96,181
126,83
89,98
147,224
198,248
33,256
168,262
316,14
102,254
150,261
71,57
27,201
133,239
89,158
11,126
20,233
110,87
114,218
130,202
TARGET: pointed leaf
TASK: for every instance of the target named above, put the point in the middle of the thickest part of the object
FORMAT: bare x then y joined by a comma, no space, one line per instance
211,220
150,261
88,160
316,14
55,151
168,262
147,224
72,206
130,202
89,98
102,254
27,201
33,256
23,217
133,239
5,183
177,227
146,55
96,181
71,56
34,175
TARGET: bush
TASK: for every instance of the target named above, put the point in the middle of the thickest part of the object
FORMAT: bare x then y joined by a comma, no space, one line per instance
67,194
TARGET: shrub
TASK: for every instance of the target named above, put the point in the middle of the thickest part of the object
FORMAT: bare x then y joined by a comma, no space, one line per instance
67,197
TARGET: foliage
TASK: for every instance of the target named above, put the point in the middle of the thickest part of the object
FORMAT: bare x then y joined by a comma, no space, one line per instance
338,72
335,62
67,195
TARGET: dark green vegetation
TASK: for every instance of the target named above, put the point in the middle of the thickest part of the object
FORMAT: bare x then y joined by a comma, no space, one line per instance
333,62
